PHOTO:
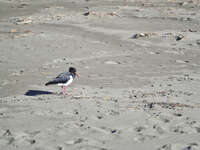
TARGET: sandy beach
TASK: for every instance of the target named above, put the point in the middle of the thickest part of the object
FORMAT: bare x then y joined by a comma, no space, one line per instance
139,67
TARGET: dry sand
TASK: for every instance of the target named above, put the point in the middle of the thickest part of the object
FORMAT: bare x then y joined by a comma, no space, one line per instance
140,74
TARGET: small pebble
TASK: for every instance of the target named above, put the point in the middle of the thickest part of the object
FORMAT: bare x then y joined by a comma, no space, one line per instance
150,105
178,114
179,37
32,141
87,13
100,116
166,147
75,112
7,133
113,131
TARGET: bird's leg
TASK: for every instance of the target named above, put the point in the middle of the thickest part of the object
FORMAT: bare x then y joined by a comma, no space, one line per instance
63,90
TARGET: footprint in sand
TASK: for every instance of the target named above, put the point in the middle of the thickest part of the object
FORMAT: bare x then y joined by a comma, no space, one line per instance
165,118
144,137
86,144
194,125
190,146
16,138
184,128
166,147
144,134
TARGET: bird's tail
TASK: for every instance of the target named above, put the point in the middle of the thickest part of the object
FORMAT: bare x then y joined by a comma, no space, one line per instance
50,82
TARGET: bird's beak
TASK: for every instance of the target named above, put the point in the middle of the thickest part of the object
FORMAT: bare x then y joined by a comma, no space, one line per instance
76,74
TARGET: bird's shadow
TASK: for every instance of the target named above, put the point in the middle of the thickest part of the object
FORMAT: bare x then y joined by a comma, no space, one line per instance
37,92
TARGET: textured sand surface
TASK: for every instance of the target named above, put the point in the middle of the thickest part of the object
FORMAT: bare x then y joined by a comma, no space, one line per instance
139,66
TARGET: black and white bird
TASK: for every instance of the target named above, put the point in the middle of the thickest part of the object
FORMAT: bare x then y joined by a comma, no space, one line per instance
64,79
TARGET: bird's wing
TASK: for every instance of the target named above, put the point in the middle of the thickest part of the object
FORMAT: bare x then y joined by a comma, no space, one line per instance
63,77
62,74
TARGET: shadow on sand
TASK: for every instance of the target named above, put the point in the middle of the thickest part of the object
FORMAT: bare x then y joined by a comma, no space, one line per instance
37,92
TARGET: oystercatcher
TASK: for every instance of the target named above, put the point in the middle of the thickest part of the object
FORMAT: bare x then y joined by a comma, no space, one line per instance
64,79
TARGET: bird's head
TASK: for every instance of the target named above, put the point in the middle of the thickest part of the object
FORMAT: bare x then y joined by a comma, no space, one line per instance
73,70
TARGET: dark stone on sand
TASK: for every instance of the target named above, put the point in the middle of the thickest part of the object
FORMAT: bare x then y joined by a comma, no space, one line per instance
113,131
150,105
32,141
191,146
81,125
138,35
75,112
166,147
7,133
179,37
186,61
86,14
100,116
139,129
178,131
178,114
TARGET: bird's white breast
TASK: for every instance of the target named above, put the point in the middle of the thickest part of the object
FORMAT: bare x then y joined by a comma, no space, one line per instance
67,83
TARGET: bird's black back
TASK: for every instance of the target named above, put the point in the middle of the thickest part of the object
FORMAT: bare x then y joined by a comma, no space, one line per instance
61,78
